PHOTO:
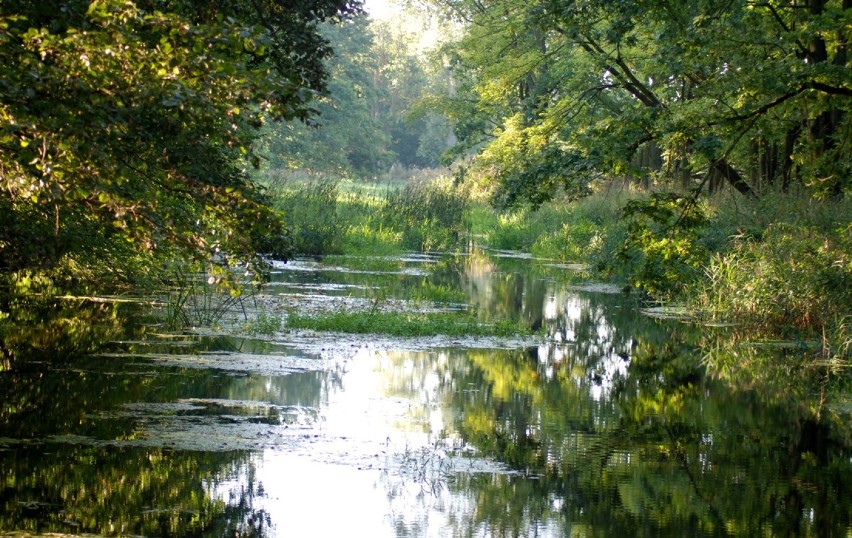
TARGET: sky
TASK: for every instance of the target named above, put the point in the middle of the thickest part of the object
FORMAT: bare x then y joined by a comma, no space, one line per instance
381,9
392,10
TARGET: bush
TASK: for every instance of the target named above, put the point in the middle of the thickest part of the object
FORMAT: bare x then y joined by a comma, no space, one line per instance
792,277
662,254
310,211
430,216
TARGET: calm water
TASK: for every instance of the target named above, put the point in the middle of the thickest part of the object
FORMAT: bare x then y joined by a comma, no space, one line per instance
606,425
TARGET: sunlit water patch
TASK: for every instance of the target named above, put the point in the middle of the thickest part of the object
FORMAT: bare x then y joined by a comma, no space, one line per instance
317,266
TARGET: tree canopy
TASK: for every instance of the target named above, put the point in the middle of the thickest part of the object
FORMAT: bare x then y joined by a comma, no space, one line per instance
369,118
133,123
552,94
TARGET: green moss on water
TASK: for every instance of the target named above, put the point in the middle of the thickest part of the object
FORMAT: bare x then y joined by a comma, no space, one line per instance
437,293
406,324
377,263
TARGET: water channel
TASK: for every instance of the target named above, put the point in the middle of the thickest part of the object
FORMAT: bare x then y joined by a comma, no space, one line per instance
602,423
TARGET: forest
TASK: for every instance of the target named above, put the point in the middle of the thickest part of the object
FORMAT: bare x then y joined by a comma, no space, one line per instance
697,152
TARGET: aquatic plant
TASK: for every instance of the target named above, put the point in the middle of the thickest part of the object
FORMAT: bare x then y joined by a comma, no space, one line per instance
375,263
405,324
589,231
195,297
437,293
264,323
429,466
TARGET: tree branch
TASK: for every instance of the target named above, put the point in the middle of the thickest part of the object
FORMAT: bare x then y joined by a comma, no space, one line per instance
812,85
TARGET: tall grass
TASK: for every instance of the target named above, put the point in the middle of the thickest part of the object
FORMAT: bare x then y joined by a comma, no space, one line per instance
733,217
429,216
788,276
311,212
586,231
328,216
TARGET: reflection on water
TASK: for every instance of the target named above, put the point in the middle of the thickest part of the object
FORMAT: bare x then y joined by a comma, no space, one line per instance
57,487
607,426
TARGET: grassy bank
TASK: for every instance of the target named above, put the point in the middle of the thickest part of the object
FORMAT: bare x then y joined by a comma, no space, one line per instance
585,232
335,216
781,264
784,273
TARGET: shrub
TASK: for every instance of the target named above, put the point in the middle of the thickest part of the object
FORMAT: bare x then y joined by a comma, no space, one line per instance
662,254
794,276
310,211
430,216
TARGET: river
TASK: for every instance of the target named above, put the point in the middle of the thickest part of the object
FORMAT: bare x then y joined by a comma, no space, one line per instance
606,421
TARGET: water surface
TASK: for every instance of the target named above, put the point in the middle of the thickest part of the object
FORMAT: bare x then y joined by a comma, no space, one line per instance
603,424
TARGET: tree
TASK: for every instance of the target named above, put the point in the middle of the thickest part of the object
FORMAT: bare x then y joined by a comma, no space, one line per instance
367,121
347,135
555,93
127,123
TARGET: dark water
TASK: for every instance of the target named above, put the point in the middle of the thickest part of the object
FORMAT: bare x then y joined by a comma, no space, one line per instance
608,425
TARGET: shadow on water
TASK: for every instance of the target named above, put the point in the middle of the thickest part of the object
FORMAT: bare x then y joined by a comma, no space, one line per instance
606,425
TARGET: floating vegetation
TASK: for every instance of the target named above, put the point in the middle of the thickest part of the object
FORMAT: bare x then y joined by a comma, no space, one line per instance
405,324
668,312
438,293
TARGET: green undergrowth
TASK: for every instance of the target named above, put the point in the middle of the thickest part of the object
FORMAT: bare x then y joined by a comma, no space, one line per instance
332,216
792,276
405,324
780,265
587,231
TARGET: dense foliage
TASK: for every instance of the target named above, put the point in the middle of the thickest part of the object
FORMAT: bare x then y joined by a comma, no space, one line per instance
555,94
129,127
680,99
369,120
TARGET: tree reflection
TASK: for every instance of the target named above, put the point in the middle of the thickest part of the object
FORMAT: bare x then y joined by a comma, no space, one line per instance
69,435
35,329
668,452
125,491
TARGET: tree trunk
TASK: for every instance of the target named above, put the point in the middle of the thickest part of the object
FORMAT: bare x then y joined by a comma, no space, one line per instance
734,178
824,126
786,172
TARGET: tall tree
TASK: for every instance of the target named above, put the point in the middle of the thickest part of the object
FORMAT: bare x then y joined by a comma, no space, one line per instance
554,93
366,121
136,121
346,135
